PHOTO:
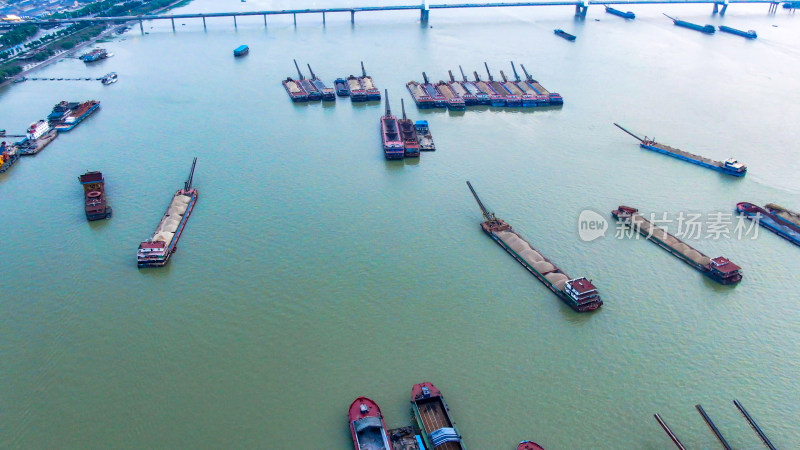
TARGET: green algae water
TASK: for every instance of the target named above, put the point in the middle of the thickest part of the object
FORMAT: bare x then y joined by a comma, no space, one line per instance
313,271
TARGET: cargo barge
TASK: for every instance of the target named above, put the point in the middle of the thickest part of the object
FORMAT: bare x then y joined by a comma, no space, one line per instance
707,29
156,251
529,445
408,133
461,91
481,98
509,98
241,50
328,94
433,416
438,99
341,87
616,12
526,93
94,193
77,115
564,34
730,166
495,99
774,218
311,90
390,134
749,34
31,147
719,269
371,92
367,425
424,136
454,102
295,91
420,96
544,97
354,89
580,294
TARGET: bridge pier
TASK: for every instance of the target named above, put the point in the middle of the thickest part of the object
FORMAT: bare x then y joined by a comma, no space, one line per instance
173,24
234,22
204,22
265,21
323,18
424,11
352,17
720,11
295,19
580,10
773,7
141,27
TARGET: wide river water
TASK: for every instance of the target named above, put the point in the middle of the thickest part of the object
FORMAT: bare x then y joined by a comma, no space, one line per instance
313,271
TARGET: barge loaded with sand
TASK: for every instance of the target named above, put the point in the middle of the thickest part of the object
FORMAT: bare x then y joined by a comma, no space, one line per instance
156,251
719,269
390,134
433,417
775,218
730,166
579,293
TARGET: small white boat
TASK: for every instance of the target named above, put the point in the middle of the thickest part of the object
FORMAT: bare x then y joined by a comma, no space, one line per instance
109,78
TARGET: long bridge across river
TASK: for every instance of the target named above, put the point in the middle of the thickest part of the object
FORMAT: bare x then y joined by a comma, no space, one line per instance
581,6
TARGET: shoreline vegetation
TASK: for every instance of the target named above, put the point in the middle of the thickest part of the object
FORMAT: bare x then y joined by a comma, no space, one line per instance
46,49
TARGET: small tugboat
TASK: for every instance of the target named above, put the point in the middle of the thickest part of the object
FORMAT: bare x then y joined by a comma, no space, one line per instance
390,134
408,133
367,425
424,136
156,251
564,34
433,416
95,55
341,87
707,29
241,50
94,193
730,166
529,445
109,78
580,294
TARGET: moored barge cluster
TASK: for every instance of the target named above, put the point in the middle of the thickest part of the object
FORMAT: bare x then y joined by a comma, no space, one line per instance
359,89
457,95
403,138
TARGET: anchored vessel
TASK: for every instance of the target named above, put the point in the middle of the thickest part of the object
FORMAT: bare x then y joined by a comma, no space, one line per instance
390,134
371,92
707,29
295,90
357,93
543,97
420,95
341,87
408,133
76,114
313,93
156,251
241,50
501,90
109,78
730,166
750,34
95,55
579,293
777,219
424,136
8,156
481,97
564,34
529,445
461,91
616,12
367,425
454,102
433,416
719,269
438,99
94,193
327,93
495,99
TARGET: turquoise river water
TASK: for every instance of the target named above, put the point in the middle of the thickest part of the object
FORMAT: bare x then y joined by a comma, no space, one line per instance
313,271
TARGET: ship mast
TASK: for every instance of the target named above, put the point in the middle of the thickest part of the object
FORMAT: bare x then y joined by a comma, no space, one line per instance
462,72
298,70
505,80
488,215
477,78
452,78
402,106
388,109
491,78
188,183
425,77
313,77
363,71
623,129
527,76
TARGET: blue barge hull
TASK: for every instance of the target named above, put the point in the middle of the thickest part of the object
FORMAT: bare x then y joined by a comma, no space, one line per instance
702,163
616,12
750,34
770,221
